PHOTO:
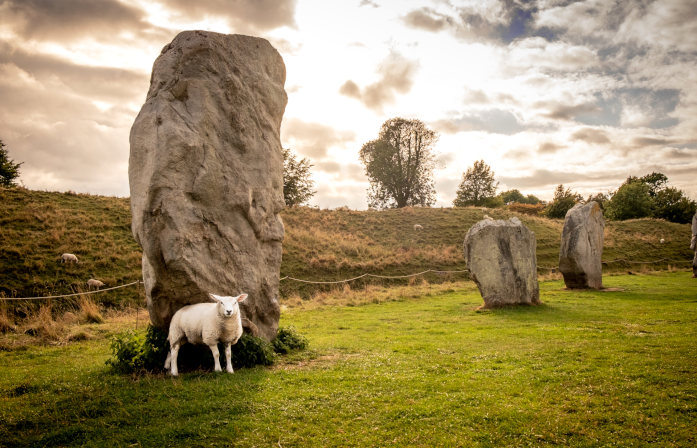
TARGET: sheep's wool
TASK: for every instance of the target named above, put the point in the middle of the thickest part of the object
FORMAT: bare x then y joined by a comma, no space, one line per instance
206,176
581,247
501,258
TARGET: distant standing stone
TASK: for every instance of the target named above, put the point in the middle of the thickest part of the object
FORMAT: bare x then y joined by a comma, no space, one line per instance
693,245
206,176
581,251
501,258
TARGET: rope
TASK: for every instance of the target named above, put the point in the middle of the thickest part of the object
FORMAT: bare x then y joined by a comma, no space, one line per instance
287,277
369,275
71,295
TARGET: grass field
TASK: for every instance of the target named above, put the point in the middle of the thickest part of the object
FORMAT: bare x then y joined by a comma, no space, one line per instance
587,368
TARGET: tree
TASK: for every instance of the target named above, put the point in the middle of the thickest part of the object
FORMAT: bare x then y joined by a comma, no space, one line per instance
512,196
631,200
655,181
9,171
563,201
297,185
515,196
478,186
672,205
600,198
399,165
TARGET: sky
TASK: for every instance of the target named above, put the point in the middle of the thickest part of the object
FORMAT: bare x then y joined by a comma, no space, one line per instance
581,93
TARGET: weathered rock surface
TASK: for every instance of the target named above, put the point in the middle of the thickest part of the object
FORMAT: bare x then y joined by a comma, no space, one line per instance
501,258
581,248
206,176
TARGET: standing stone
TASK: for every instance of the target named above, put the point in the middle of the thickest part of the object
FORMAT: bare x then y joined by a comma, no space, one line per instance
693,245
500,256
206,176
582,246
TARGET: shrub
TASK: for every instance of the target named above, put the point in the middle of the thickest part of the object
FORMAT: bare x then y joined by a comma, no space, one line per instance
251,351
133,353
137,353
528,209
287,340
127,349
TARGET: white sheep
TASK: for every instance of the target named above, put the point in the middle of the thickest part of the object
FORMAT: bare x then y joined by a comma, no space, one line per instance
418,227
94,283
663,240
69,258
206,323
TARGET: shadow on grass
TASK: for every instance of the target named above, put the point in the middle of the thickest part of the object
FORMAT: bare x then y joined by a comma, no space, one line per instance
122,410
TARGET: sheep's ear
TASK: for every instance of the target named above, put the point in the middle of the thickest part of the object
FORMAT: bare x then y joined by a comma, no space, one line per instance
241,297
216,298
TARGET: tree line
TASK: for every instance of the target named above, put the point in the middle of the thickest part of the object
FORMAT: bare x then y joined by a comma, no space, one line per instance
399,164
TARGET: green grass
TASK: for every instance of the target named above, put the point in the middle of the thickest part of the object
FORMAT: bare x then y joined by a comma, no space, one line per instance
587,368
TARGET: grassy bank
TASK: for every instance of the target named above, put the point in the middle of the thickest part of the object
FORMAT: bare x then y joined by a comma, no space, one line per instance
37,227
587,368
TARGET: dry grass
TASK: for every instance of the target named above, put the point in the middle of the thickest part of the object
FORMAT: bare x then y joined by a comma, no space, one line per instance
6,322
345,295
89,311
42,325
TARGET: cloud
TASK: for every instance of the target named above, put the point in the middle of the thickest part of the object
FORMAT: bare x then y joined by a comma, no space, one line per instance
54,73
396,77
567,112
427,19
495,121
549,148
500,21
71,19
590,135
369,3
245,16
312,139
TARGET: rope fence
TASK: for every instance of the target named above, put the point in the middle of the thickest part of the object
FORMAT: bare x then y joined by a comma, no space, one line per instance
333,282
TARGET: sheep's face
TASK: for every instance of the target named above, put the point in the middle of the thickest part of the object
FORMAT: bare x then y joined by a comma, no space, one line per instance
228,306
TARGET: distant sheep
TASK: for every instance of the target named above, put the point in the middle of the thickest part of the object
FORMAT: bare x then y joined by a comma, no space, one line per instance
69,258
94,283
487,217
206,323
663,240
418,227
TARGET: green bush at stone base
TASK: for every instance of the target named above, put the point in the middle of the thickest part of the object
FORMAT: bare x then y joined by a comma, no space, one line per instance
134,353
287,340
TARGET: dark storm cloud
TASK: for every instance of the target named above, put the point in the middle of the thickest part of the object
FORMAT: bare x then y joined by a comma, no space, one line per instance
243,15
495,121
98,83
71,19
396,77
313,139
590,135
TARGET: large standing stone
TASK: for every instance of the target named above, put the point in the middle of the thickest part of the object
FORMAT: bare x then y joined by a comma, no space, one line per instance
206,176
581,248
500,256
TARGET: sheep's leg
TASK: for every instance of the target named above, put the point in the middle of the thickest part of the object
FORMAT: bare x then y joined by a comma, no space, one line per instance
216,356
173,359
228,357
